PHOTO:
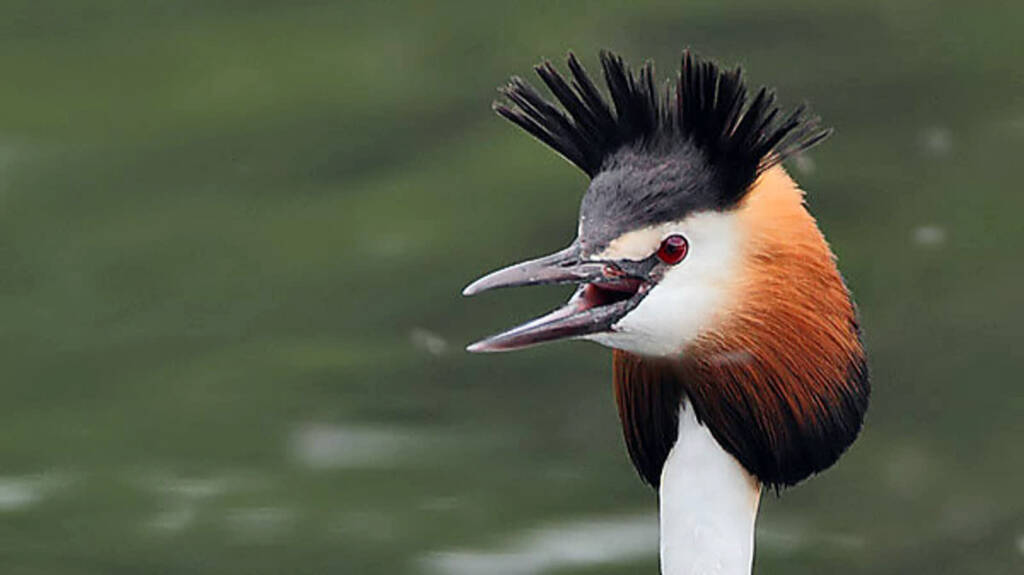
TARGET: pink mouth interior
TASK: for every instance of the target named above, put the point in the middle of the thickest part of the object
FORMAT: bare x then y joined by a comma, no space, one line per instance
608,293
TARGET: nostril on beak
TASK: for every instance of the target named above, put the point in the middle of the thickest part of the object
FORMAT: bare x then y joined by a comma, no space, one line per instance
611,272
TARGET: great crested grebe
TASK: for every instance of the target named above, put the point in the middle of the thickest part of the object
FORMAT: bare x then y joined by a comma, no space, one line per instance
737,358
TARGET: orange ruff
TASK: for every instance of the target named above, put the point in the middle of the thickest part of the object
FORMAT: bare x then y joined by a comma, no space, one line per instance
780,380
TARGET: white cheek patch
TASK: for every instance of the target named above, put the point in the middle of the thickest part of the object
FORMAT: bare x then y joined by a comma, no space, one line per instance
637,244
691,296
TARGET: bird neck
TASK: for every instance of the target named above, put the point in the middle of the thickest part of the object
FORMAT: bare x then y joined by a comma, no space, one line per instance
770,393
779,378
708,505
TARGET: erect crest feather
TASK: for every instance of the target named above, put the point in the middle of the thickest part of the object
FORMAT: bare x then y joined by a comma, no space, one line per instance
708,107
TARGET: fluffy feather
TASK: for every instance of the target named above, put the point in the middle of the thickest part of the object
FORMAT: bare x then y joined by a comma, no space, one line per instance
707,109
781,379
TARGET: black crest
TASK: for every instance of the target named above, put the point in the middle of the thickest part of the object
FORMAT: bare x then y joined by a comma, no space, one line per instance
708,109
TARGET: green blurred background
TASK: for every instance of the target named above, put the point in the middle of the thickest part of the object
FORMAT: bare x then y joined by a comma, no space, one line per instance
233,235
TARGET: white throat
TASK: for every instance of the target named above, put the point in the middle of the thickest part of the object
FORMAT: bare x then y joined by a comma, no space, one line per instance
708,506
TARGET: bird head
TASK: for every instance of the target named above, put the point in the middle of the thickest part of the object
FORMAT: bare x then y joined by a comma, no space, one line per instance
696,259
661,232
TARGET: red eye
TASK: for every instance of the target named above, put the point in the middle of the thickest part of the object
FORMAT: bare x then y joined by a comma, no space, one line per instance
673,249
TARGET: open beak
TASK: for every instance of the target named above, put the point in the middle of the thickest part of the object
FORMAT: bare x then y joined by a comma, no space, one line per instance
606,293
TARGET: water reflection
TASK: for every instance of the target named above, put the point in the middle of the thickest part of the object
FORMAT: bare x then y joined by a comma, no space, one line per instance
591,542
324,446
21,492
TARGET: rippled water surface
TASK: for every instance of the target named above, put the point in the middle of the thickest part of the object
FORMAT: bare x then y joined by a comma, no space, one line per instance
233,235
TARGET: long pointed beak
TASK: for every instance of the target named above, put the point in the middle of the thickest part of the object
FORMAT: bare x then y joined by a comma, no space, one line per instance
560,267
603,298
